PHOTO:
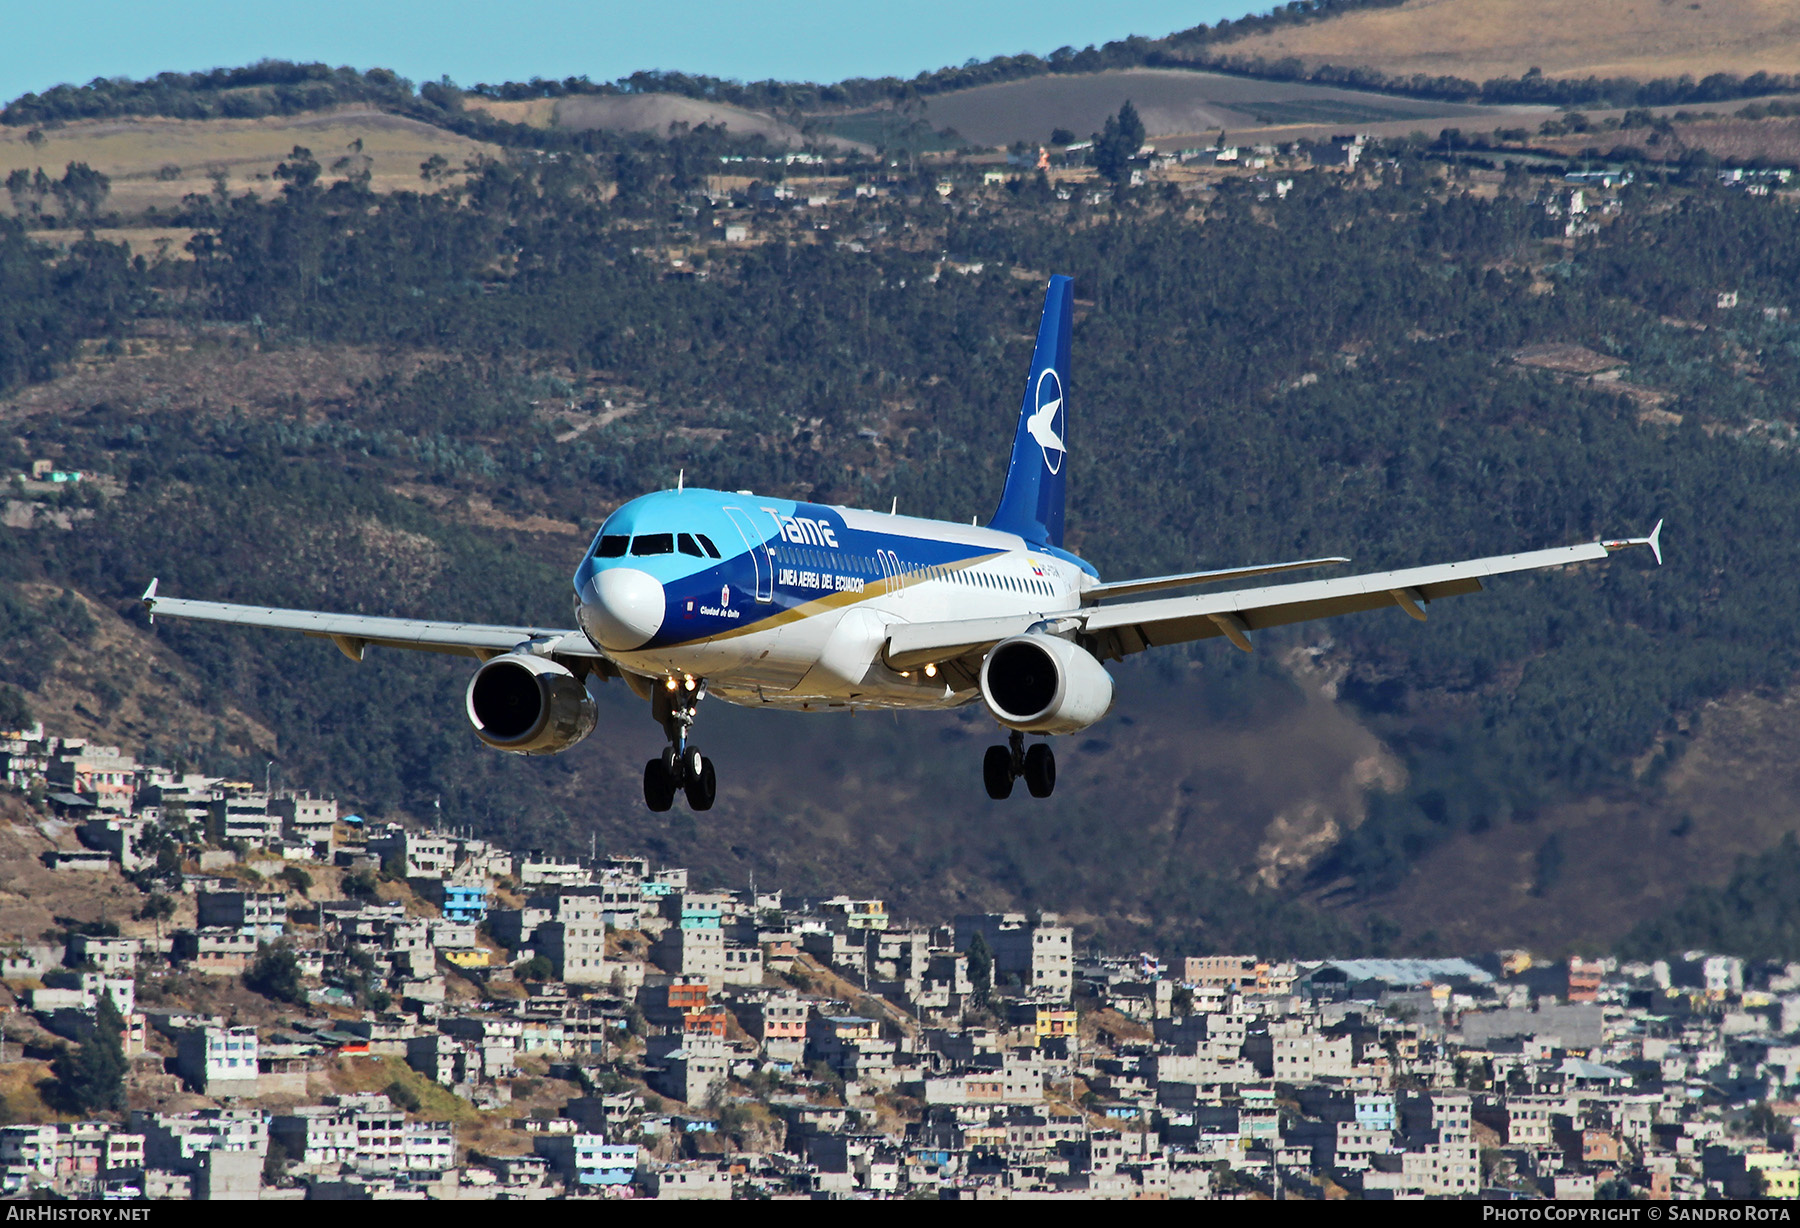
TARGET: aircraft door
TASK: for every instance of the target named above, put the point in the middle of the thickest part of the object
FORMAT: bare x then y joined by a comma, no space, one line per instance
760,557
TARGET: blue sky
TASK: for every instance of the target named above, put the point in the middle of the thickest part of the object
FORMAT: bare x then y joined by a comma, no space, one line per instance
78,40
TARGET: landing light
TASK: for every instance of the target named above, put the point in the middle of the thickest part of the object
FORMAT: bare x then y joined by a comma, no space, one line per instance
671,684
931,671
688,679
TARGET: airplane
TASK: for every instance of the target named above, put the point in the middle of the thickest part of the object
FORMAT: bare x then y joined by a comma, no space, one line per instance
779,603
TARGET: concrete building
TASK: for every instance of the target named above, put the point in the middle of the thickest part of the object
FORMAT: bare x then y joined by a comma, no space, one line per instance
420,854
311,820
98,773
574,939
588,1160
260,914
1040,956
215,952
118,956
692,952
218,1061
694,1071
117,837
537,870
246,817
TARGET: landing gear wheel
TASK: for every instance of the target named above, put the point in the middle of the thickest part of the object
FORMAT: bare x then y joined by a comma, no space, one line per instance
703,785
659,786
692,762
1040,770
997,773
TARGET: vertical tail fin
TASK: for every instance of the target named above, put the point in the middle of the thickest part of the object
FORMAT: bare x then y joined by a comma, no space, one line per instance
1032,503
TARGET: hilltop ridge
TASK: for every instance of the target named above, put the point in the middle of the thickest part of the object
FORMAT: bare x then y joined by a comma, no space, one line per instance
1482,39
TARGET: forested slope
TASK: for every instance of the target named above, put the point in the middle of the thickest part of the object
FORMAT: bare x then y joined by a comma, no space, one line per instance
1254,379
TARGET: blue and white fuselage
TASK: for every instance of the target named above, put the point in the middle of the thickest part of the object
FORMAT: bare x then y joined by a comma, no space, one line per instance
774,601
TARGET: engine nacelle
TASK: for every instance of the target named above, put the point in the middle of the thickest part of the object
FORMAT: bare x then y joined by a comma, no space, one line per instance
1042,684
529,705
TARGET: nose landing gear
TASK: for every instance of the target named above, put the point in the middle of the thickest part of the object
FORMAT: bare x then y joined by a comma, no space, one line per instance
680,768
1004,764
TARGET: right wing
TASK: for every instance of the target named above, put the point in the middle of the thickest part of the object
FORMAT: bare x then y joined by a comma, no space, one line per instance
1119,629
1132,626
353,633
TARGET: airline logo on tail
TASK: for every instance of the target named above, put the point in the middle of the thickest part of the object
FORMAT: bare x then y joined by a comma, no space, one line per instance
1044,424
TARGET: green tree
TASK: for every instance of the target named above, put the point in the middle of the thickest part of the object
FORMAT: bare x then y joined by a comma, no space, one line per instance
360,886
300,172
1131,128
981,967
15,712
82,187
276,975
91,1079
403,1096
158,908
1117,143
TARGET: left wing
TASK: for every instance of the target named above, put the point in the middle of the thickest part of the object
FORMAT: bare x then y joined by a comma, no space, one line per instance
1117,630
353,633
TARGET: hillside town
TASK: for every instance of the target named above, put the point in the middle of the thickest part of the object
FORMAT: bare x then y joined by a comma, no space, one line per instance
311,1005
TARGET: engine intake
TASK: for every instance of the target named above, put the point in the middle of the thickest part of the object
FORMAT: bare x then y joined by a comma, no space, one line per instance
529,705
1042,684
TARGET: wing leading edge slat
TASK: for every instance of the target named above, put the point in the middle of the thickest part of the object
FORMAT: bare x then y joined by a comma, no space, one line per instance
351,632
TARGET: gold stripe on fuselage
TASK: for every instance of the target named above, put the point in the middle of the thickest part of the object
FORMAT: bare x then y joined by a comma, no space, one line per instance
831,601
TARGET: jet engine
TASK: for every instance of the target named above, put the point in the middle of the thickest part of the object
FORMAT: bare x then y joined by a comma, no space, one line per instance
1041,684
529,705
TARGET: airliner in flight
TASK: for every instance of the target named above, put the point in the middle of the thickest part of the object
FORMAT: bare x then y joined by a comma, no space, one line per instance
770,602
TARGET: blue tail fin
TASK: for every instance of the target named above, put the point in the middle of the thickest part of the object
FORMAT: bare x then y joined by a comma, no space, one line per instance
1032,503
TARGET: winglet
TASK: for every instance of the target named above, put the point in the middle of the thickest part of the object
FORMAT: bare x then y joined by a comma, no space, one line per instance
1654,541
149,597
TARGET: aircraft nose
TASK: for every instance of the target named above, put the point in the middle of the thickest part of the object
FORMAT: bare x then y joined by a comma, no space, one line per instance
627,608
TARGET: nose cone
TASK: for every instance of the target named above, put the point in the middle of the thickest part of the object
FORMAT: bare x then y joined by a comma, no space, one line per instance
626,608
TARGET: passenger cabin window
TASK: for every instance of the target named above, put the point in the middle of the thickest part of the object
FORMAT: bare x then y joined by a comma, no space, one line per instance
687,545
653,543
612,546
712,551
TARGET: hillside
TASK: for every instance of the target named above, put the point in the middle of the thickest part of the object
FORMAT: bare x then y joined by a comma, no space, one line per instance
154,162
420,403
1177,102
1481,39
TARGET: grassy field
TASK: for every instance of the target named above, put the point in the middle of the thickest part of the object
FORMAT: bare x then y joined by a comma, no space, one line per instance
532,112
658,112
155,162
1176,102
1479,39
1732,140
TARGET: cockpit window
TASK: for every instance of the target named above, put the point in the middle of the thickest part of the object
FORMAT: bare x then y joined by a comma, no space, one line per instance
612,546
712,551
687,545
653,543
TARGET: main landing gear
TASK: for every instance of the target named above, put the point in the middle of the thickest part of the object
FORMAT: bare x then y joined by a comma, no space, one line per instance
1004,764
680,767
